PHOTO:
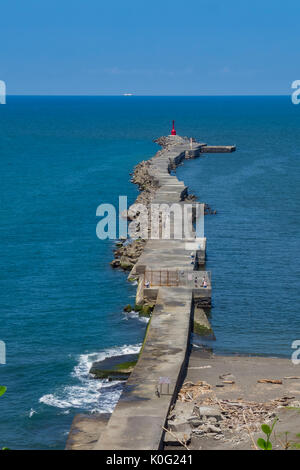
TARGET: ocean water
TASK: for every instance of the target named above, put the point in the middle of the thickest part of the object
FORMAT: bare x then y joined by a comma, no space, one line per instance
61,302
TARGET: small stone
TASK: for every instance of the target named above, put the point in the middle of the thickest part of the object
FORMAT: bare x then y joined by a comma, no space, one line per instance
214,429
125,263
115,263
209,412
295,404
199,431
195,422
127,308
212,420
178,426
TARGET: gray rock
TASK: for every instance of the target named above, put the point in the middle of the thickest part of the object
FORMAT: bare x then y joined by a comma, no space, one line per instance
177,438
195,421
214,429
207,430
199,431
115,263
209,412
114,368
295,404
183,410
180,426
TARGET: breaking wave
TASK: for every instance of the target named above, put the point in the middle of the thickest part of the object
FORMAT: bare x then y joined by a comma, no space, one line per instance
90,394
135,315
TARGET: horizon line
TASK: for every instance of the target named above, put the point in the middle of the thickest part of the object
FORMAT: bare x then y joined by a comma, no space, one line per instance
143,96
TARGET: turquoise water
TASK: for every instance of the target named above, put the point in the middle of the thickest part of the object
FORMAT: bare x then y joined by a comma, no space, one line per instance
61,303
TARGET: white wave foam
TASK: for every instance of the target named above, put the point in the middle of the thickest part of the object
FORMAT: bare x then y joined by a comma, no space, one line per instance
144,319
135,315
90,394
31,412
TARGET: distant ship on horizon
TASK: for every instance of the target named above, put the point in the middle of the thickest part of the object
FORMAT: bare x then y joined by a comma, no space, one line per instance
127,94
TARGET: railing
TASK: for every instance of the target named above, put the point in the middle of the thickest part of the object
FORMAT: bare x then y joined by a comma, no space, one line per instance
165,277
161,277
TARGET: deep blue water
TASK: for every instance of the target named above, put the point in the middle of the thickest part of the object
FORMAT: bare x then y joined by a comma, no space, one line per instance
61,303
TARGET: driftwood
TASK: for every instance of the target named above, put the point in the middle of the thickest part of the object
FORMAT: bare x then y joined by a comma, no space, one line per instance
249,432
269,381
236,414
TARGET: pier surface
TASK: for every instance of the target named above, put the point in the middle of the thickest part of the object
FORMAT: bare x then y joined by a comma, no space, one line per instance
140,414
167,276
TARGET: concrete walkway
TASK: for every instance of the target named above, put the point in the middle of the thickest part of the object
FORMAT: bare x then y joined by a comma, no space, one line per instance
140,414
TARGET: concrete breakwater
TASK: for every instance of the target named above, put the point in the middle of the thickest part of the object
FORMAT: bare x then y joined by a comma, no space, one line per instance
171,278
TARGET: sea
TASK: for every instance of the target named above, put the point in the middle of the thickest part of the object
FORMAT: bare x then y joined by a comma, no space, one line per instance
62,303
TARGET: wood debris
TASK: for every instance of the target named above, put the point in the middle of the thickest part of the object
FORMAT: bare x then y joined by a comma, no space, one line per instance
191,391
235,414
269,381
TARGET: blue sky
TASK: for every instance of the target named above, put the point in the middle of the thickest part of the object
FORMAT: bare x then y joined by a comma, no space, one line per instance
203,47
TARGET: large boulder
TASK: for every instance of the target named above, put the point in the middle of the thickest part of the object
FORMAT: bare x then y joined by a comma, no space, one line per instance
115,263
114,368
125,263
209,412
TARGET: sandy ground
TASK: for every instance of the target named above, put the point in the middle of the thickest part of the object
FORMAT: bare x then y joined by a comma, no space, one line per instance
245,373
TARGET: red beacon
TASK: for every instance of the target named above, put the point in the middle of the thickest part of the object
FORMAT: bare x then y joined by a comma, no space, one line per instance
173,132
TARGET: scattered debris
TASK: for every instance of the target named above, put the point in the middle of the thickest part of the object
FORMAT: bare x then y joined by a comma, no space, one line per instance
269,381
194,390
228,376
200,367
294,404
199,412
